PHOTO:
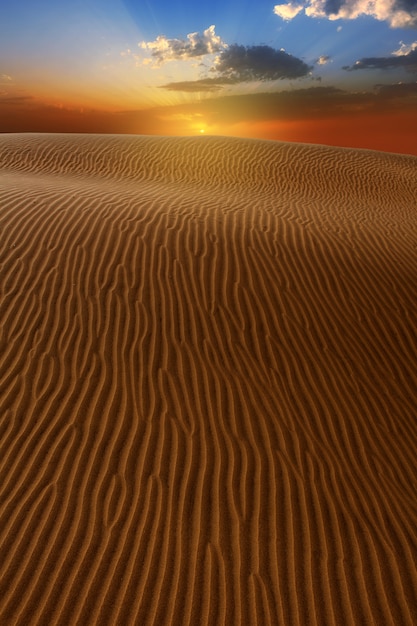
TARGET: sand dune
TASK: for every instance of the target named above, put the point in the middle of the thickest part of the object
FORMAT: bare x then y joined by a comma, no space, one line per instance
208,383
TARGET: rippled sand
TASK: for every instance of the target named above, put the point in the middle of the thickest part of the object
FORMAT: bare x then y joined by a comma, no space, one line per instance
208,383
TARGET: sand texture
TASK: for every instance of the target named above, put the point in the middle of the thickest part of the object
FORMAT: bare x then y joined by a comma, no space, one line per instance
208,383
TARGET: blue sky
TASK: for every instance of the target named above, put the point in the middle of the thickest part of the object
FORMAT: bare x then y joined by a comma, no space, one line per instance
116,56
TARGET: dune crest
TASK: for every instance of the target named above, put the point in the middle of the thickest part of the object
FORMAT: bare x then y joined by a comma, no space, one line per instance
208,382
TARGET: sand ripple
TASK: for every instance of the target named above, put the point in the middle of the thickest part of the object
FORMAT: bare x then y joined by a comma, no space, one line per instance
208,383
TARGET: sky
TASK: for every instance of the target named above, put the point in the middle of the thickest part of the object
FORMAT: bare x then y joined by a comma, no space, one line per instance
336,72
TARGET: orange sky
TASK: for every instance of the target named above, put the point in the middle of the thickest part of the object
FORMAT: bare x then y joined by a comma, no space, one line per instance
382,125
396,132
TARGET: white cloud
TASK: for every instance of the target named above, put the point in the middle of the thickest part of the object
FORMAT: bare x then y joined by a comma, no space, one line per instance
398,13
323,60
405,49
195,45
288,11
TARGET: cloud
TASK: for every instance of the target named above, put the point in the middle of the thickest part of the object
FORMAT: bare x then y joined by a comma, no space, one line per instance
323,60
239,64
28,114
203,84
248,63
398,13
5,78
288,11
398,90
405,49
8,99
196,45
405,57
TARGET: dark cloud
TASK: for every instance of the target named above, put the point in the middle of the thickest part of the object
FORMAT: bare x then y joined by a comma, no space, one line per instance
407,61
239,64
26,114
6,99
398,90
249,63
204,84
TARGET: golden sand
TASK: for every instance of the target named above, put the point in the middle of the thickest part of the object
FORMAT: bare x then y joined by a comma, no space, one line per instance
208,383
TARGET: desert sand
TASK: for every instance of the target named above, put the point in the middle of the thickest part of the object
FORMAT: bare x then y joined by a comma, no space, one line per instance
208,383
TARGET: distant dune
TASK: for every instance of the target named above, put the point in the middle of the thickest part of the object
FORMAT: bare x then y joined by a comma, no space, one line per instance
208,383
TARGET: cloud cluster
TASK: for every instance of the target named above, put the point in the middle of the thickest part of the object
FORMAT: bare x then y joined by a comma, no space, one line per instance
239,64
398,13
196,45
247,63
403,58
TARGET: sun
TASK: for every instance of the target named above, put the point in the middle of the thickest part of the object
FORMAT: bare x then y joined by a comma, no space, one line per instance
200,126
